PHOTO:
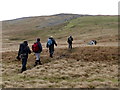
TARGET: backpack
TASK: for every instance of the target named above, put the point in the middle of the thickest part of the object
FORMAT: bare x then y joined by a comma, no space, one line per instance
23,48
49,42
70,40
35,47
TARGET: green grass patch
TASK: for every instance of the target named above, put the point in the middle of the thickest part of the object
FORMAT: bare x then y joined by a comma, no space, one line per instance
96,79
56,79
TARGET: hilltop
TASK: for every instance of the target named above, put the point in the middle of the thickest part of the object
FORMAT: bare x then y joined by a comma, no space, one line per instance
35,23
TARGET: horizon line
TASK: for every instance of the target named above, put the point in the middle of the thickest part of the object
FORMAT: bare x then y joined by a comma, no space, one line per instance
55,15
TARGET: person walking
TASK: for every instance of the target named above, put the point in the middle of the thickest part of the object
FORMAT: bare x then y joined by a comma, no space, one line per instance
23,52
50,44
37,49
70,39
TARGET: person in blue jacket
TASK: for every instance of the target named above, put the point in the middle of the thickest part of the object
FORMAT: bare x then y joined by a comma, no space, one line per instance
50,44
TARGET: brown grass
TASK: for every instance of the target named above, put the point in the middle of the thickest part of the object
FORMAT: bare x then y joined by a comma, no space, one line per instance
82,67
86,67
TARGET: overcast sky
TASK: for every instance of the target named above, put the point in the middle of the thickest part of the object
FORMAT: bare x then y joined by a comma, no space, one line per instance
11,9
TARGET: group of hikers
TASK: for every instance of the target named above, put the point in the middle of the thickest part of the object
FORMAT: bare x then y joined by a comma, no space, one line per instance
24,50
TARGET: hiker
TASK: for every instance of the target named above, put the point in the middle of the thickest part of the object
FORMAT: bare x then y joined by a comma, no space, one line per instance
50,44
37,49
23,52
93,42
70,39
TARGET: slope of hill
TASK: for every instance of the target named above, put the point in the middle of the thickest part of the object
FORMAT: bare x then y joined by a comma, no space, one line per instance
84,66
83,29
28,23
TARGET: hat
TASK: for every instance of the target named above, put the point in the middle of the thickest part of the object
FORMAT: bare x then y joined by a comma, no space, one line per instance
38,39
51,36
26,43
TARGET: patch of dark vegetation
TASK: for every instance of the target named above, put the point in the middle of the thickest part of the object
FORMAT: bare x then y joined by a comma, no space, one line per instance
16,39
108,54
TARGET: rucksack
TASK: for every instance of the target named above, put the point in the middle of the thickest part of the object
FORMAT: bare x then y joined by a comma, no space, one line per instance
23,48
69,39
35,47
49,42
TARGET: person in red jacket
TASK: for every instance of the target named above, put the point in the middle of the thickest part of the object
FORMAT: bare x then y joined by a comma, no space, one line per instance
37,53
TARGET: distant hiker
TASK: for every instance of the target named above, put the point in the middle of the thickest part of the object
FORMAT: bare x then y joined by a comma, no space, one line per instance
93,42
70,39
23,52
37,49
50,44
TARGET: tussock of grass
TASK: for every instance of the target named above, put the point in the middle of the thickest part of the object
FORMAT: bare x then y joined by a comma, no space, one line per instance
16,39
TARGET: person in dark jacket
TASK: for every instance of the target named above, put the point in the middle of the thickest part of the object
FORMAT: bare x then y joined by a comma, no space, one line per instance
95,42
70,39
37,53
50,44
23,52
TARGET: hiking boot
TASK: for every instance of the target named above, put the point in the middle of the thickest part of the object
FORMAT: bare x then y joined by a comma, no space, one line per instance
35,64
21,71
51,56
40,63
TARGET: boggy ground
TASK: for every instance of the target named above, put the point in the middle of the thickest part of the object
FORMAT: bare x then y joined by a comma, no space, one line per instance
81,67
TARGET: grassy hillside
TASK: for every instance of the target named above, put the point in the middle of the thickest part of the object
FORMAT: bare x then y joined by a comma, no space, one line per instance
84,66
18,29
85,28
91,27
